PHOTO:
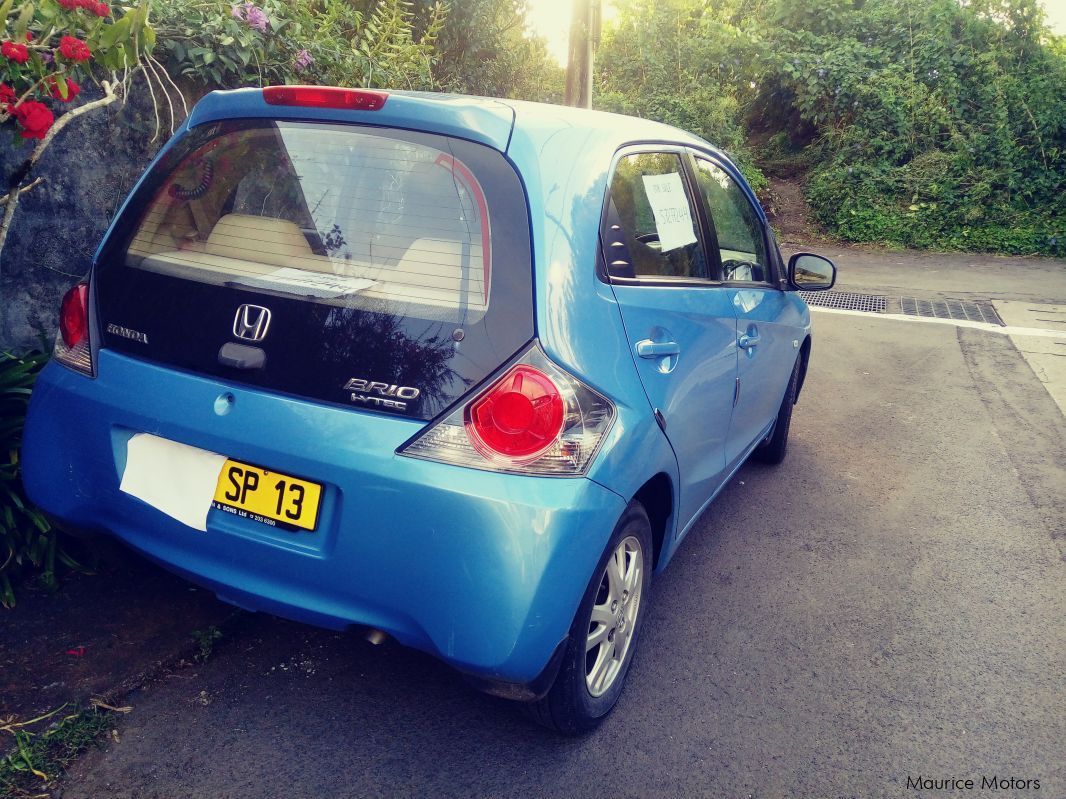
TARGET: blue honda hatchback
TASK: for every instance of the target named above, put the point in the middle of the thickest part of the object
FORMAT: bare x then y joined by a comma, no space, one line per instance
460,371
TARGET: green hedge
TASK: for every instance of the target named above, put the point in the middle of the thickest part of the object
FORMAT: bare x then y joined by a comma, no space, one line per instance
26,539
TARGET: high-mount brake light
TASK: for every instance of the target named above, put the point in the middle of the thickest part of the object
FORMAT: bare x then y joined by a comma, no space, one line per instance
326,97
72,341
534,418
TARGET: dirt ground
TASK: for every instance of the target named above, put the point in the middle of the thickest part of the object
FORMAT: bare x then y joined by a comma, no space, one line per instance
790,215
100,635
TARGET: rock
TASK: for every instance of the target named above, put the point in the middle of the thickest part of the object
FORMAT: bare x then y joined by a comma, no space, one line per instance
88,169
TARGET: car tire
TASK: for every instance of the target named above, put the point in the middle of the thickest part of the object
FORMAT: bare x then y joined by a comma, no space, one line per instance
592,675
775,447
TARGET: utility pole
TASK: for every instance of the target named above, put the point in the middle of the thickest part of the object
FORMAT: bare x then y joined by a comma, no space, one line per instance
584,39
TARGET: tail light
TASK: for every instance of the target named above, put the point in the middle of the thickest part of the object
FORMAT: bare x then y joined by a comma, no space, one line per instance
72,342
533,419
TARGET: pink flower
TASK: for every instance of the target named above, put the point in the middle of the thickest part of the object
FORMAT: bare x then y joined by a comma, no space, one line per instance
253,15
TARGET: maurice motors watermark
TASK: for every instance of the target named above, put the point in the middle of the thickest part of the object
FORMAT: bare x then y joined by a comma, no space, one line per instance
994,782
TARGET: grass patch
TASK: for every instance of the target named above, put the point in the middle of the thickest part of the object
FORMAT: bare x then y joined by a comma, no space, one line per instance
205,641
38,759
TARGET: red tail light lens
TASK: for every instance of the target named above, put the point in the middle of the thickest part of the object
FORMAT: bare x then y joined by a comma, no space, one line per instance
326,97
536,418
520,417
72,341
74,316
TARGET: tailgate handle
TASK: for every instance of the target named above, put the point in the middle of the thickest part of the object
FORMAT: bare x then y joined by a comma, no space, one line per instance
241,356
657,349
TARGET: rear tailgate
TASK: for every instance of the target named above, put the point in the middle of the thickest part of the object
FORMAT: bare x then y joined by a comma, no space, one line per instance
369,267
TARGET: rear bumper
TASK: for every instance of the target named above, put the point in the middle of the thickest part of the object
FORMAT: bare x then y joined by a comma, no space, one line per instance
481,569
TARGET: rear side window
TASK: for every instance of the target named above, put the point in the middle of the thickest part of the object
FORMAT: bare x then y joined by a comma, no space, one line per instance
737,228
650,227
388,270
327,213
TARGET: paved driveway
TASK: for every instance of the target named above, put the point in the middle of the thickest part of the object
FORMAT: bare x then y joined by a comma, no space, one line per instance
889,603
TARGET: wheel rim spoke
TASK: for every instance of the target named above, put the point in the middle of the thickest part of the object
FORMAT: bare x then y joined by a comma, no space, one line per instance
597,637
615,568
602,668
601,614
633,575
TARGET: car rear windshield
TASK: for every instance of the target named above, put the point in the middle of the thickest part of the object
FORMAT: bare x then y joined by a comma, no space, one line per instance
371,249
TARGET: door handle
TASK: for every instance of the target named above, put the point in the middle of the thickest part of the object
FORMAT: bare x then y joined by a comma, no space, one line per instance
657,349
745,341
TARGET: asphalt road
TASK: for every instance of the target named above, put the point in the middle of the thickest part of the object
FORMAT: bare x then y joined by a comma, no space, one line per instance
889,603
938,275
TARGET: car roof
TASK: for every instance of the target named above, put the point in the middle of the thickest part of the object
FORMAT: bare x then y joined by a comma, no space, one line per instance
487,120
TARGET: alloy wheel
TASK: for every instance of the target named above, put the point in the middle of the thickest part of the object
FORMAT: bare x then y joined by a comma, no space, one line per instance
614,616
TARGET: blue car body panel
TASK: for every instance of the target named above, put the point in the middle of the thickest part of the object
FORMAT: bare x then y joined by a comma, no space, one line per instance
480,568
483,569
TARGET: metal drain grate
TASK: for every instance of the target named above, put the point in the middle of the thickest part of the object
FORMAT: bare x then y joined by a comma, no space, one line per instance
845,300
959,310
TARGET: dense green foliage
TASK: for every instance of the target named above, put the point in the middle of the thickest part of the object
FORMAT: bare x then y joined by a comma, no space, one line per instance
26,539
674,61
475,47
484,48
925,123
221,44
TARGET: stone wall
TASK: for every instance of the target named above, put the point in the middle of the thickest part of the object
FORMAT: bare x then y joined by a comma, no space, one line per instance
89,169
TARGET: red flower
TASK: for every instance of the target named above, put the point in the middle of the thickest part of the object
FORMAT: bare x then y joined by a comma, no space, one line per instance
70,5
74,49
72,89
101,9
16,52
34,117
7,95
29,36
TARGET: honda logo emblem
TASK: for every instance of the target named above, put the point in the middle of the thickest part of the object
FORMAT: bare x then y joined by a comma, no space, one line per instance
251,322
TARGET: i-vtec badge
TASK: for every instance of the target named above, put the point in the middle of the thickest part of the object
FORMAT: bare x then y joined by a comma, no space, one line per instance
127,332
381,395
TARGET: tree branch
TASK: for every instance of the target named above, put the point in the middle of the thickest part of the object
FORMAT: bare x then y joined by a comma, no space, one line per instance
23,190
12,200
109,97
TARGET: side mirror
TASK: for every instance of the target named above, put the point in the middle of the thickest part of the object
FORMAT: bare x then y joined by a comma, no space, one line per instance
810,272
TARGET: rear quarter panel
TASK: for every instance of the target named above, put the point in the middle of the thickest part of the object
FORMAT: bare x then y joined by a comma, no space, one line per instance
577,318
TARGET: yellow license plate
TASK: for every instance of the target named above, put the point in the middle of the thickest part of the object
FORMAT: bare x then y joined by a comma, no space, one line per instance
269,497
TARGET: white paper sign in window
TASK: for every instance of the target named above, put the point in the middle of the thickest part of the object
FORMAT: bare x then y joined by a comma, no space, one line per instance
669,204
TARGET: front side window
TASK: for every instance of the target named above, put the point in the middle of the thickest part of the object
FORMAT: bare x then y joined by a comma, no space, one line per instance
738,229
650,226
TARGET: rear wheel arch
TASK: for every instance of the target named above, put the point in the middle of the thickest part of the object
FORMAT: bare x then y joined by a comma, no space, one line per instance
657,497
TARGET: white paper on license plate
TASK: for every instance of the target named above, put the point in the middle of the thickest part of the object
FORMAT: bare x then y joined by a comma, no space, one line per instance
326,286
177,479
669,204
